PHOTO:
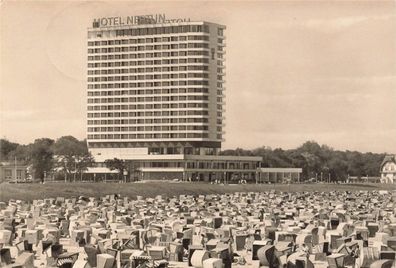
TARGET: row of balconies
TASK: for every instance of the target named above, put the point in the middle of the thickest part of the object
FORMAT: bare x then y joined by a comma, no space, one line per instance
99,57
97,114
157,106
104,113
143,138
98,73
150,77
112,97
223,110
162,117
91,87
126,95
169,83
144,101
139,69
127,71
173,130
92,115
152,37
152,127
145,50
152,52
221,40
160,82
135,62
123,104
144,45
118,57
152,131
149,98
153,66
155,139
114,87
155,121
126,78
154,124
126,109
127,115
153,79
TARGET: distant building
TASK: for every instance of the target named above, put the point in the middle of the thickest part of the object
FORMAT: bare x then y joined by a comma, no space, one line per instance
364,179
388,169
12,172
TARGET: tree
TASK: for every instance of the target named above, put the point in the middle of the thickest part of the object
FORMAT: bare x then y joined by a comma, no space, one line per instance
355,164
317,160
338,169
117,164
280,158
311,147
372,163
83,162
238,151
41,157
20,153
311,164
6,147
72,156
299,161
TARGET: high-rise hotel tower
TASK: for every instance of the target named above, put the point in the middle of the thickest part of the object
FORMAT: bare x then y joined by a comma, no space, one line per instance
155,91
158,87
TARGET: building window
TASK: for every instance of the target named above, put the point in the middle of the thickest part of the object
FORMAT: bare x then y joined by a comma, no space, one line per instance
8,174
19,174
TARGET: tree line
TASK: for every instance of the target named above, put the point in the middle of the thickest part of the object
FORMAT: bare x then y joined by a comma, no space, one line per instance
70,157
66,156
318,161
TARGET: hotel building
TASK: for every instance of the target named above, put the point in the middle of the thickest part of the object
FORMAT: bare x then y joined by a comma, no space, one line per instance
156,97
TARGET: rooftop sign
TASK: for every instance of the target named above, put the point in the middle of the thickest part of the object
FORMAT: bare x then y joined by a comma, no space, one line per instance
134,20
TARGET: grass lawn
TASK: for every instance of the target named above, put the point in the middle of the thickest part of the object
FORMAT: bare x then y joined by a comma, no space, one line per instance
32,191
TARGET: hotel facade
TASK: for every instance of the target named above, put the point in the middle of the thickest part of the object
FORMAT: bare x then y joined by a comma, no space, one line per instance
156,98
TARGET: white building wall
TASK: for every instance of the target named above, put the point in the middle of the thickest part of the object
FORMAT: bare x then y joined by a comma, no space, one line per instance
122,108
388,173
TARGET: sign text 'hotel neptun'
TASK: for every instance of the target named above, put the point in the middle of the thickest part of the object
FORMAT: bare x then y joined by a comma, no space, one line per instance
134,20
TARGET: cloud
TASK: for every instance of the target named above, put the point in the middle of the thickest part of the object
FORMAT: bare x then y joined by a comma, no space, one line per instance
328,25
17,115
336,24
375,79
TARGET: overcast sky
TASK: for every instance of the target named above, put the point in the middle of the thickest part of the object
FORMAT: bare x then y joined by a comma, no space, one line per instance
296,71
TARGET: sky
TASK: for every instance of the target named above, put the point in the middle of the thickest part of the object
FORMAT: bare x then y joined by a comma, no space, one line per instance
295,71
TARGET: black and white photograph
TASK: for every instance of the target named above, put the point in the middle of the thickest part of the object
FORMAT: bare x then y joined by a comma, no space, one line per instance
202,134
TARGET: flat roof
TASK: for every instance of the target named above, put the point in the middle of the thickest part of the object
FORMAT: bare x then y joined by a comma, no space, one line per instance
170,157
223,157
153,25
286,170
100,170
